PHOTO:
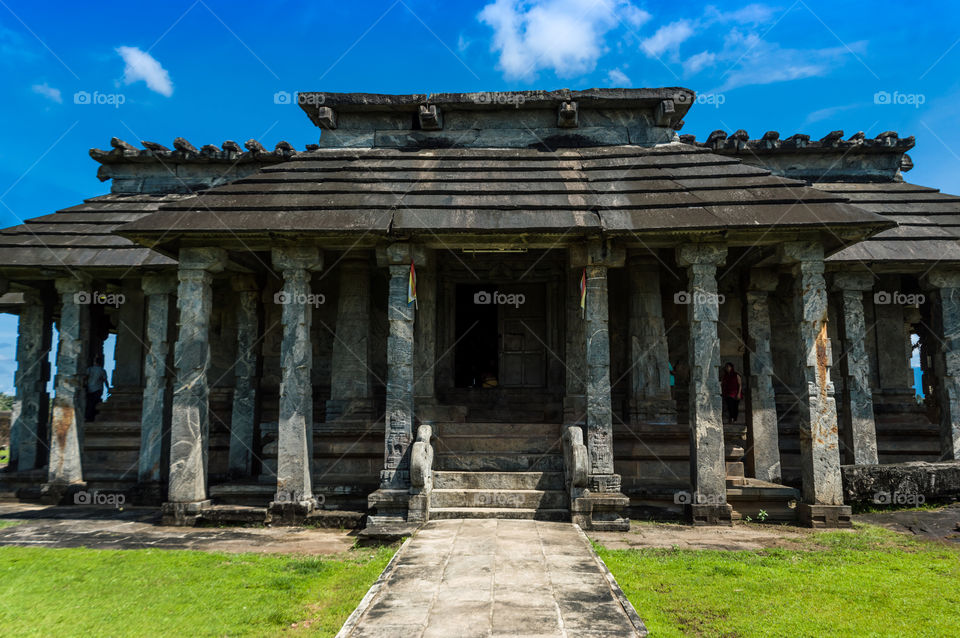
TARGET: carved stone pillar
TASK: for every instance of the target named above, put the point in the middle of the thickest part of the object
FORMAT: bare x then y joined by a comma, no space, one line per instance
244,411
65,468
28,419
190,420
128,354
350,377
294,498
155,411
893,355
859,427
763,431
708,474
425,337
575,368
819,443
651,401
945,284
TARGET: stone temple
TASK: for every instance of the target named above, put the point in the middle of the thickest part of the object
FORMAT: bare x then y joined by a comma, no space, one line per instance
492,305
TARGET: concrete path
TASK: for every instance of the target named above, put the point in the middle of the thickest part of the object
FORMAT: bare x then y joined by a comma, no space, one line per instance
495,578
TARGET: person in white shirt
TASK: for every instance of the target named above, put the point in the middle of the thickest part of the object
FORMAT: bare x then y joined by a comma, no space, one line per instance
96,381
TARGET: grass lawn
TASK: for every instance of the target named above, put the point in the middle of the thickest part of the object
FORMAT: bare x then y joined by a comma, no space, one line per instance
871,582
85,592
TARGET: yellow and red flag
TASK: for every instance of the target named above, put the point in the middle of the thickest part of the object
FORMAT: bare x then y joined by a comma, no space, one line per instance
583,292
412,288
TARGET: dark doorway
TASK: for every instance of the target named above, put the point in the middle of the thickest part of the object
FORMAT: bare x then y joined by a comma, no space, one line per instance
476,352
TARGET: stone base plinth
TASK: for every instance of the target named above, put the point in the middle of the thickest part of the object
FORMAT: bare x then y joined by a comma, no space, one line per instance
289,513
149,494
62,493
601,512
824,516
389,504
419,507
182,514
702,515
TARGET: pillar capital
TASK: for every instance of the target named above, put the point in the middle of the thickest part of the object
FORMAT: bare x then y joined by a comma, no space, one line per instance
402,253
697,254
941,278
860,281
202,258
71,285
159,284
763,280
244,283
297,258
598,252
800,252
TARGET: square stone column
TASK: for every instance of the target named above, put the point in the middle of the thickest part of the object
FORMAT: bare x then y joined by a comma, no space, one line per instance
244,412
155,412
859,427
294,498
708,473
350,397
893,350
819,442
945,284
763,431
190,420
425,338
128,354
28,419
650,362
65,470
575,359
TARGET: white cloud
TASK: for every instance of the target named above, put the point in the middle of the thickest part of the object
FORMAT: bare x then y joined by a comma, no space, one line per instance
667,38
140,65
698,62
752,14
48,92
618,78
566,36
829,112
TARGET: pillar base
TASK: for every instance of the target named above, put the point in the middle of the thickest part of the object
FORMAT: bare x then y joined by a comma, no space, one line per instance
182,514
703,515
56,493
605,483
148,493
824,516
289,513
601,512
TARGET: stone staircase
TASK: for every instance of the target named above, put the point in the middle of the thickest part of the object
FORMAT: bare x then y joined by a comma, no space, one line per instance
499,470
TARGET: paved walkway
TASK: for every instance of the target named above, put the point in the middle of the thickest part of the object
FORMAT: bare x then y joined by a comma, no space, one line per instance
495,578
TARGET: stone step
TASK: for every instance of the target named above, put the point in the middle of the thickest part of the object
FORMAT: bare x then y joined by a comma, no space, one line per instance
498,462
545,430
233,514
498,480
446,513
498,499
518,444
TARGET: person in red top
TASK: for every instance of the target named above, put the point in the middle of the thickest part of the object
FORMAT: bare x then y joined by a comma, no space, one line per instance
731,386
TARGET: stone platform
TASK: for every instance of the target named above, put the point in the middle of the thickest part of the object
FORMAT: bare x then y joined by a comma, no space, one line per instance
494,577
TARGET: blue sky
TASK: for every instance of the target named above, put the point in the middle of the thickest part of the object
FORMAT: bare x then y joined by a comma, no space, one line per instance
209,71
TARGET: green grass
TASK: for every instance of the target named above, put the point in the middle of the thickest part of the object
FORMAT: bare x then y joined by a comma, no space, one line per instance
871,582
8,523
84,592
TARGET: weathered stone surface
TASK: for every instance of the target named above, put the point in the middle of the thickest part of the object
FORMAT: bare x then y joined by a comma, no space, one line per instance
30,404
399,415
650,363
819,441
575,366
69,400
294,496
190,425
707,463
901,483
243,414
946,283
157,290
893,342
764,436
128,353
425,337
350,381
859,427
599,412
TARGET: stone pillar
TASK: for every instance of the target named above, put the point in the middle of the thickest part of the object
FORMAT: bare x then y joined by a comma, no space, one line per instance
946,286
425,337
244,413
155,410
574,401
859,428
893,356
190,420
819,443
763,431
28,418
350,396
707,460
650,362
65,470
128,353
294,498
